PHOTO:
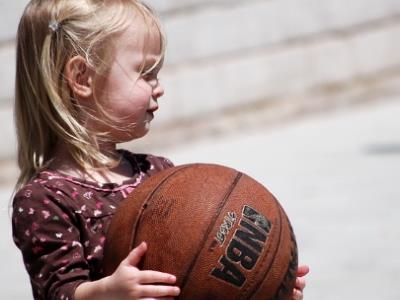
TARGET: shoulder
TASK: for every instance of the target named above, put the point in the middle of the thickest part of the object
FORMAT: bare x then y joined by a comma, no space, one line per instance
158,162
31,192
43,191
148,163
38,207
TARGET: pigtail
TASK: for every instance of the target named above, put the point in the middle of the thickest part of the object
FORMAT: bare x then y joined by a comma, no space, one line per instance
32,135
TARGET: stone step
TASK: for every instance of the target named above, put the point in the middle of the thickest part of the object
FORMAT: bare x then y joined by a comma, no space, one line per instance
219,29
212,86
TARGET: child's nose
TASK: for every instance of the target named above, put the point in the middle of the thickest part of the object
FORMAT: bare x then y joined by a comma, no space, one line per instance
158,90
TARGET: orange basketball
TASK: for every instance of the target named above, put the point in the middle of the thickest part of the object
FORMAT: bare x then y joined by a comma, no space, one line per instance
222,234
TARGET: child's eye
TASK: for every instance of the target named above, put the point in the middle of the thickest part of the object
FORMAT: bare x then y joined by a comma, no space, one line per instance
150,76
151,72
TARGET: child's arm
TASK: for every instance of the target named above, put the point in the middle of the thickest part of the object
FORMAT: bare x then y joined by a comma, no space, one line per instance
128,282
45,231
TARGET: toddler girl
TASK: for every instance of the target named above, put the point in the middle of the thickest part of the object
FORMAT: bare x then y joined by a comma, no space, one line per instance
87,80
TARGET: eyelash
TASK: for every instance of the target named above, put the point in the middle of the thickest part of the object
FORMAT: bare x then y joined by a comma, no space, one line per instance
150,75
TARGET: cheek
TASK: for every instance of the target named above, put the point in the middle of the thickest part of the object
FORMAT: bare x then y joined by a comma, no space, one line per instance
141,90
134,107
126,100
139,97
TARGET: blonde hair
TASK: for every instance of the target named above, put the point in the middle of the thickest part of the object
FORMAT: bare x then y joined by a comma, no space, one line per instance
50,33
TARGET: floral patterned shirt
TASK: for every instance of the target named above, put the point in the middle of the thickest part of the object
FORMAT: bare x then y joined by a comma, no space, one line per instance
59,224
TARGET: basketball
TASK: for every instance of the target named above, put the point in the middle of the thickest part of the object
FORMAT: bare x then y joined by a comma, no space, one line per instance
220,232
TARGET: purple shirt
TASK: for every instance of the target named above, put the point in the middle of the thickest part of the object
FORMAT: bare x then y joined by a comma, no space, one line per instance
59,224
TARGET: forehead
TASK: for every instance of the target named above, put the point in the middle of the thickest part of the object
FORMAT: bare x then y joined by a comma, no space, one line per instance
141,40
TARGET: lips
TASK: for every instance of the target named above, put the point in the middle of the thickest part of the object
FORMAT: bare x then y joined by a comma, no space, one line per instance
152,109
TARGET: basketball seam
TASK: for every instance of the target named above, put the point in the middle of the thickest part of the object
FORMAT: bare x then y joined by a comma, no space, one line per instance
210,227
256,272
293,262
143,207
258,285
282,288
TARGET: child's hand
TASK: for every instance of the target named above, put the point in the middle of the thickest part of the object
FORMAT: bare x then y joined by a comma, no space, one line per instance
300,282
129,283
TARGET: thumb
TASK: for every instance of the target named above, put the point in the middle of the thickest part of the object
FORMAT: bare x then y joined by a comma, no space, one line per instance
135,255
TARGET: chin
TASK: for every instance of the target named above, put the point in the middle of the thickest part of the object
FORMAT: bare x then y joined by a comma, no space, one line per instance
130,136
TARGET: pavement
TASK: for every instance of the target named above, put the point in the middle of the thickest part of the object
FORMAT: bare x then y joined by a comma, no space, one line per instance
337,176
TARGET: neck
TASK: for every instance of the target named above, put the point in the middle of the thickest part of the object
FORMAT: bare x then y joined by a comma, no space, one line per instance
64,163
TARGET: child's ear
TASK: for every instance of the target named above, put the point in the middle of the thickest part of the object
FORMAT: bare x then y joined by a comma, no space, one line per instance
79,77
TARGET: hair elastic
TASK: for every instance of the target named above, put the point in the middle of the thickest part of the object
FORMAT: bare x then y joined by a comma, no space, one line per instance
54,25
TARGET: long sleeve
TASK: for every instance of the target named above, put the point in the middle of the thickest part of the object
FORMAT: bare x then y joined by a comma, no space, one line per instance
49,240
60,224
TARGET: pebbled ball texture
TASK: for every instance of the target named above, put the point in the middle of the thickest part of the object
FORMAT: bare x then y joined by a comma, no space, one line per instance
223,234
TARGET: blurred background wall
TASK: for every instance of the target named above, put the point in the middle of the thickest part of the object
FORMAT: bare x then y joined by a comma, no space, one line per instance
232,64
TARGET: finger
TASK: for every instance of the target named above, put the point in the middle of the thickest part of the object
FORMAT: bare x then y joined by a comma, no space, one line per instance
303,270
300,283
155,277
136,255
159,291
297,295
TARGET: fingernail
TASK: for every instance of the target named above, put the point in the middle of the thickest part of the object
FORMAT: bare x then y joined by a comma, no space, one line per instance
177,290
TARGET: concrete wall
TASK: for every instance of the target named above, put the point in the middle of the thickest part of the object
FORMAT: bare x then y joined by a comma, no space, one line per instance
239,57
